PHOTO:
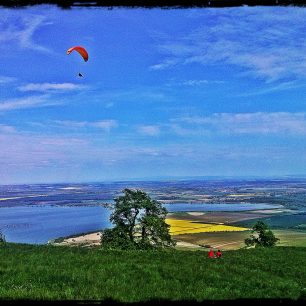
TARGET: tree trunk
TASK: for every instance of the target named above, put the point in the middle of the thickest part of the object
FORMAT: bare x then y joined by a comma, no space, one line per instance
132,225
143,233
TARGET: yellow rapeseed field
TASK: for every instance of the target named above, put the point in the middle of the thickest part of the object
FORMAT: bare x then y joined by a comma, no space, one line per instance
178,227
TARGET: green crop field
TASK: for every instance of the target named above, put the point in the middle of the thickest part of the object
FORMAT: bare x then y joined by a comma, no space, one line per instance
47,272
235,240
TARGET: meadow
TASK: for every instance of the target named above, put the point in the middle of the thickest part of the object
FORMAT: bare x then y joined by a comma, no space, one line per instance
46,272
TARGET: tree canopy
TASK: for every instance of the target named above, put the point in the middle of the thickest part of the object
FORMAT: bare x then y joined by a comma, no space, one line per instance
264,237
2,238
139,223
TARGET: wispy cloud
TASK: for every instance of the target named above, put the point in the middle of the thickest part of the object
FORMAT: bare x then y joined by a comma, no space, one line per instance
140,95
271,89
105,125
6,79
71,124
150,130
200,82
50,87
267,43
26,151
193,83
31,151
7,128
165,64
21,29
247,123
109,105
79,157
26,102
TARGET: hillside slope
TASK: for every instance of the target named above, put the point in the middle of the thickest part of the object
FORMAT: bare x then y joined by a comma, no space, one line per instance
75,273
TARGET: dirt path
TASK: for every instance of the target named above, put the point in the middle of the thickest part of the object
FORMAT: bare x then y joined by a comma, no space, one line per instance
221,245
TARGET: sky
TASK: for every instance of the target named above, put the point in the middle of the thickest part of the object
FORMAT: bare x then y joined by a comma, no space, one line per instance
165,93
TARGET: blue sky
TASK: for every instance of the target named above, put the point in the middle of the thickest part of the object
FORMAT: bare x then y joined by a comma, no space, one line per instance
177,92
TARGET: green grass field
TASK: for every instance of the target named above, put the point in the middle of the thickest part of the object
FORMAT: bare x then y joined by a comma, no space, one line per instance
49,272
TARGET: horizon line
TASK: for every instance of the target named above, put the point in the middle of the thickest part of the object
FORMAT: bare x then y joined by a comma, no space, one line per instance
170,178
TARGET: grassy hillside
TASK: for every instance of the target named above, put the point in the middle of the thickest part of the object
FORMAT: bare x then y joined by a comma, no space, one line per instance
59,273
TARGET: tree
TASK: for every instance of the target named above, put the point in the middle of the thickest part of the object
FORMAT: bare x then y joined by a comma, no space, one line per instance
2,238
264,236
139,223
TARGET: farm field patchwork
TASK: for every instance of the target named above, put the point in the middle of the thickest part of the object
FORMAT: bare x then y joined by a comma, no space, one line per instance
217,216
235,240
220,240
178,227
195,230
225,230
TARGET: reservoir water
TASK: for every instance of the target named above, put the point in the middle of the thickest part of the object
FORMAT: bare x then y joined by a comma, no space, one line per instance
177,207
36,224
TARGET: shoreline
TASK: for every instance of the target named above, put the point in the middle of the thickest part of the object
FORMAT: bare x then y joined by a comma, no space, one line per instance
84,239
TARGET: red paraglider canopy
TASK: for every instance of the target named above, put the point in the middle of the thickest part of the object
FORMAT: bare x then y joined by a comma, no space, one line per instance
81,50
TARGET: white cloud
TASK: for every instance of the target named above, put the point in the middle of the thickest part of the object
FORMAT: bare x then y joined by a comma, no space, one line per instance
71,124
69,157
7,129
150,130
267,43
247,123
141,95
50,87
6,79
31,151
105,125
193,82
165,64
62,141
277,88
26,151
20,30
26,102
182,130
109,105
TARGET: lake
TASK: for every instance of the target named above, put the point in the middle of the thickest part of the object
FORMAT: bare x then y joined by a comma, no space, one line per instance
36,224
177,207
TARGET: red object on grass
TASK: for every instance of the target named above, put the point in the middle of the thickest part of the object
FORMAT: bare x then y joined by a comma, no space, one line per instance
211,254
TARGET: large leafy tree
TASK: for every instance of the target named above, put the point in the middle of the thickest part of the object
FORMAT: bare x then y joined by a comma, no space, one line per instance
261,236
139,223
2,238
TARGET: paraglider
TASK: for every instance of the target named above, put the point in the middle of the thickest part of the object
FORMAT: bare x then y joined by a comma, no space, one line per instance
82,51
